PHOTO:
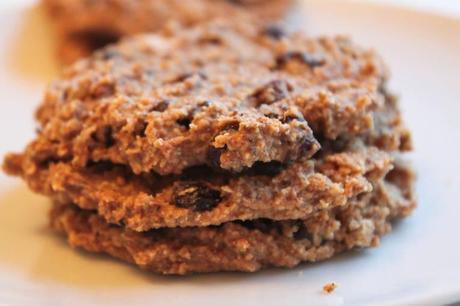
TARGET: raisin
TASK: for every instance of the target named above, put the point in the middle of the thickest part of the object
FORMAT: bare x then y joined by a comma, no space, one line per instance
196,196
273,91
100,166
105,136
139,128
274,31
215,153
271,168
185,122
108,137
45,161
304,57
214,156
272,116
308,145
160,106
302,232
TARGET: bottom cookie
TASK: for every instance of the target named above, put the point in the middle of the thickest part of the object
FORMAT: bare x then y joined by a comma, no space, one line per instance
245,246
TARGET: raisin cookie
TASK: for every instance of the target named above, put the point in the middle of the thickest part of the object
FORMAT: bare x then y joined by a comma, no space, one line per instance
221,147
245,245
164,103
84,26
201,197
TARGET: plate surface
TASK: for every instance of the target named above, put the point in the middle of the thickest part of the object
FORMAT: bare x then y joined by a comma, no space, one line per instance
416,264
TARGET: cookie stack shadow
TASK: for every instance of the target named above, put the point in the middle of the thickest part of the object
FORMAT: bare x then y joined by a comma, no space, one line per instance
221,147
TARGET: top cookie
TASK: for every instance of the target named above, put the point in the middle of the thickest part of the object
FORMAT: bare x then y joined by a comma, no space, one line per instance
84,26
218,95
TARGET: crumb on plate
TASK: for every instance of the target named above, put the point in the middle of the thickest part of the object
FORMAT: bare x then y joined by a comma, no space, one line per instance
329,287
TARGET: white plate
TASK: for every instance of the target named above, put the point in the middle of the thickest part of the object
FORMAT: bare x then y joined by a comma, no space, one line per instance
417,264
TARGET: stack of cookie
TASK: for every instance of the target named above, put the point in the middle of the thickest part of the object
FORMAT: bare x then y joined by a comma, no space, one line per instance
221,147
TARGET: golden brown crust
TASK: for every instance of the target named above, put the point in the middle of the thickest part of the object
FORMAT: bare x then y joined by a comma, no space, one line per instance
172,101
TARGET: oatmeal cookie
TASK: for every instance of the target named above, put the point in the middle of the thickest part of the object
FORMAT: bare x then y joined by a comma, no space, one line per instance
201,197
84,26
245,245
165,103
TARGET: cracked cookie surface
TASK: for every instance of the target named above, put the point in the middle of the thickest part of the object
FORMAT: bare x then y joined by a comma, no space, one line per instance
168,102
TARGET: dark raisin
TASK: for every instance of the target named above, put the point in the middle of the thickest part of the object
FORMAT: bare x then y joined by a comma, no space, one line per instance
271,168
45,161
104,136
100,166
160,106
274,31
185,122
214,156
215,153
108,137
196,196
273,91
304,57
139,128
308,145
302,232
272,116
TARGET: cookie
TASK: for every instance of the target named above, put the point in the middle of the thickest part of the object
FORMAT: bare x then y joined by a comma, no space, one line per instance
250,245
165,103
84,26
221,147
201,197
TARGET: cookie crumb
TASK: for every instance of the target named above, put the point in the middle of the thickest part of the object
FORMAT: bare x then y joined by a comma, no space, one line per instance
329,287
